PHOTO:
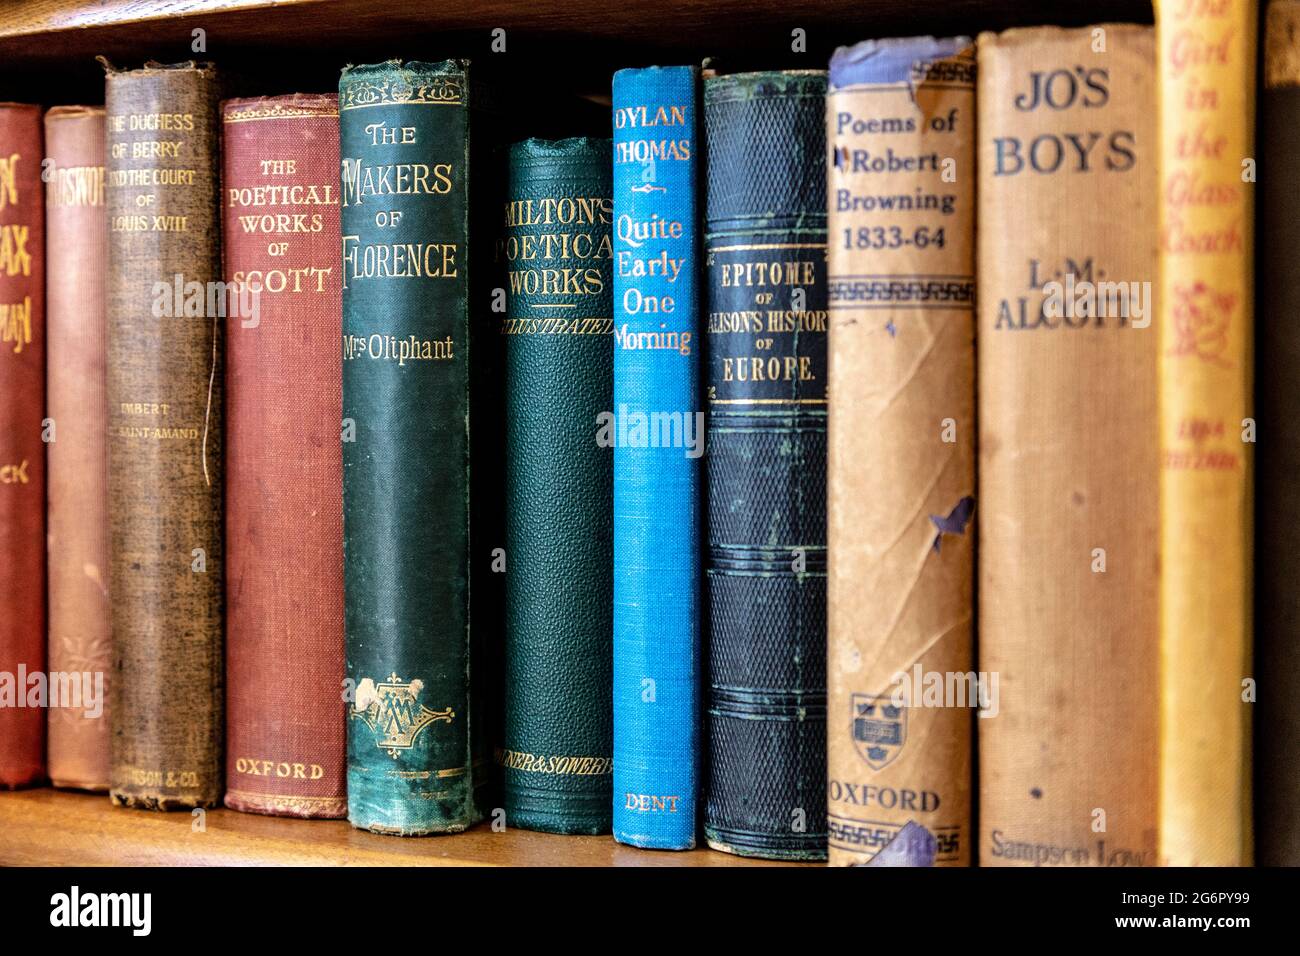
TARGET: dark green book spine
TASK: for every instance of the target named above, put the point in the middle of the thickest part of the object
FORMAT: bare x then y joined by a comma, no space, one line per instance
404,133
557,752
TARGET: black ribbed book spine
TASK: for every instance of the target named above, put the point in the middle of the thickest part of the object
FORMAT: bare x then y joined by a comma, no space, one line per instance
765,248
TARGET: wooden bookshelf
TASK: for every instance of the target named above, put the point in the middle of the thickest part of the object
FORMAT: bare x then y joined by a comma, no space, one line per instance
48,827
47,55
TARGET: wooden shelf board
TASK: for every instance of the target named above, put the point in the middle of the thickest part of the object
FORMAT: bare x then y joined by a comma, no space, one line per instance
39,17
87,27
45,827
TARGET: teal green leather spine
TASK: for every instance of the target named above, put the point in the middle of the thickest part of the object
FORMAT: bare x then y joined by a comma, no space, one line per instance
556,758
404,133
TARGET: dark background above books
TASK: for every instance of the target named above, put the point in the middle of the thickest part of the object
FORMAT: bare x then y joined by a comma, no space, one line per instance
48,47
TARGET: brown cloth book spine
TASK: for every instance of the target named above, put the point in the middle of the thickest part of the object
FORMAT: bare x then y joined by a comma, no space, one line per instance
22,449
77,532
285,720
1068,451
165,436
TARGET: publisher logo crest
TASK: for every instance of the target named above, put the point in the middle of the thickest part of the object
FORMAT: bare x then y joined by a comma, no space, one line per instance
879,728
394,714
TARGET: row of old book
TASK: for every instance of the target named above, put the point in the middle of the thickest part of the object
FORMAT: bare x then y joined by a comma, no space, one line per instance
380,483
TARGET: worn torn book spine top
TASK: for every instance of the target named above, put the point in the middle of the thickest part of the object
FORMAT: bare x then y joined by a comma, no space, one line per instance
900,127
765,273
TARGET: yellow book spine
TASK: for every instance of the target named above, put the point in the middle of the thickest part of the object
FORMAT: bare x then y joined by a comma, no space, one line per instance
1206,89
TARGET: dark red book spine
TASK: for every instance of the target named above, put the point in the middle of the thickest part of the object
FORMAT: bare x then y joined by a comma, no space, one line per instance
284,472
23,688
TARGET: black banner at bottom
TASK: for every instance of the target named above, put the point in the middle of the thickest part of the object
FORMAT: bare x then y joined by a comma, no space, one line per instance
586,908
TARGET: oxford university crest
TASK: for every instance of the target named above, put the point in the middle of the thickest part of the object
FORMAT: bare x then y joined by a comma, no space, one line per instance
879,728
393,712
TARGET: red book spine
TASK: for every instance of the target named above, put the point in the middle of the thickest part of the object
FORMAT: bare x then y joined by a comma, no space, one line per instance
23,689
284,471
76,236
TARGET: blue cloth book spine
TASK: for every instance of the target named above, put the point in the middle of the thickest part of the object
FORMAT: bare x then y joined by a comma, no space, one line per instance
657,432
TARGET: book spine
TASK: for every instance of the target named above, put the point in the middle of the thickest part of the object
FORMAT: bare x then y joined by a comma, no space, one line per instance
557,751
765,255
1277,397
1206,109
286,716
22,445
1067,446
657,510
489,561
900,127
77,534
405,137
165,436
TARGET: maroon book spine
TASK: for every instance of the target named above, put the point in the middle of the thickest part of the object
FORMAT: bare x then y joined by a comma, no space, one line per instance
76,234
23,686
286,709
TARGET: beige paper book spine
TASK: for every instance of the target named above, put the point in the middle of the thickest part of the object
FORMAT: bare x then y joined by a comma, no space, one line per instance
901,471
1068,528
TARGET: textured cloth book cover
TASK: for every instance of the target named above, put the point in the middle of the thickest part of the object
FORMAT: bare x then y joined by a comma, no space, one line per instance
165,436
1277,394
77,534
765,257
1068,525
557,754
22,449
900,128
405,188
1207,110
285,720
658,443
